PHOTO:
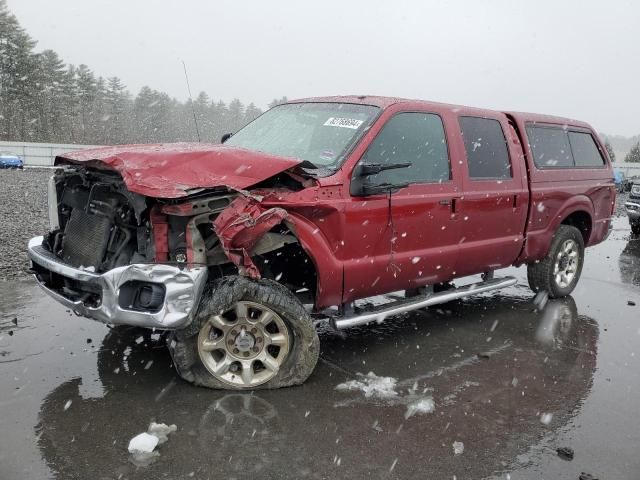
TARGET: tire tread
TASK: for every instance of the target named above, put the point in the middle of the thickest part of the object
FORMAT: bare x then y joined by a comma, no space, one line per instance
540,274
219,296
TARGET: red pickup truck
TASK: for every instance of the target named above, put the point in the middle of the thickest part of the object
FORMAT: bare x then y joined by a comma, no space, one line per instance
314,206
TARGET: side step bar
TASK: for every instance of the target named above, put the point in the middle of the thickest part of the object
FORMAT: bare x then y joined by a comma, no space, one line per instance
378,314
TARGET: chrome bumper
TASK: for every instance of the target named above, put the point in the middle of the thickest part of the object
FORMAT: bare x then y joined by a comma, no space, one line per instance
183,290
633,210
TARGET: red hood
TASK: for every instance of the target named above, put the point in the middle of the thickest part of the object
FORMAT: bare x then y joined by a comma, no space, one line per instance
174,170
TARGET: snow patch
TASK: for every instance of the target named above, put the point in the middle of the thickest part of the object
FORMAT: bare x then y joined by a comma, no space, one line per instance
371,386
143,443
458,448
142,446
420,407
546,418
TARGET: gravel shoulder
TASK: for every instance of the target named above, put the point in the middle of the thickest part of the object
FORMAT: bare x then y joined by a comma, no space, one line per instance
23,210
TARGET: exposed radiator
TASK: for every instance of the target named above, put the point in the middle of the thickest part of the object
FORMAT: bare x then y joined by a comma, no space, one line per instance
85,239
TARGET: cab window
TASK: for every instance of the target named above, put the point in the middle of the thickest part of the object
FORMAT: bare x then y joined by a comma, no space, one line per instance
550,147
486,147
414,138
584,149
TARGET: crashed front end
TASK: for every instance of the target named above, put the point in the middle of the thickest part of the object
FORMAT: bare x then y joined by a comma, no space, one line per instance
122,257
105,259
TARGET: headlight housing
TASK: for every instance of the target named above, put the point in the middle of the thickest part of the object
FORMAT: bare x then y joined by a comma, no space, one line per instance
635,189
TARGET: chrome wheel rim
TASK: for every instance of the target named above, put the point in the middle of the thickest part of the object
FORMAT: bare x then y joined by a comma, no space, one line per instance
566,266
244,346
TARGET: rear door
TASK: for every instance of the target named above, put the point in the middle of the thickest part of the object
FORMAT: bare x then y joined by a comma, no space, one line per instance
495,200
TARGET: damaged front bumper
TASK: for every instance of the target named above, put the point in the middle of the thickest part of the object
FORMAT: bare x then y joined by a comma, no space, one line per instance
181,290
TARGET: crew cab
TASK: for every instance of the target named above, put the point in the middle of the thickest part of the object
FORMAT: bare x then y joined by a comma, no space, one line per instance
316,205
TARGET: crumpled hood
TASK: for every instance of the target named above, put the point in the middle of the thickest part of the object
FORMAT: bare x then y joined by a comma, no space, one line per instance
175,170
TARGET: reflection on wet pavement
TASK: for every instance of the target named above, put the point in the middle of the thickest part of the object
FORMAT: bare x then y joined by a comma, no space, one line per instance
629,262
507,382
491,404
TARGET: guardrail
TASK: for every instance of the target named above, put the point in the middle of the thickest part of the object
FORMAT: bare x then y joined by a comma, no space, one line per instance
39,154
629,169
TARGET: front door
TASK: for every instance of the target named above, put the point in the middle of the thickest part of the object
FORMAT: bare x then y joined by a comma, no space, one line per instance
417,239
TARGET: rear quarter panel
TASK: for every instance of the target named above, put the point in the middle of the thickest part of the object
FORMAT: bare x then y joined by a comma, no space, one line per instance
556,193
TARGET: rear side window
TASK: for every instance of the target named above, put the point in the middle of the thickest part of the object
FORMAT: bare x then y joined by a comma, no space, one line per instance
486,146
550,147
415,138
584,149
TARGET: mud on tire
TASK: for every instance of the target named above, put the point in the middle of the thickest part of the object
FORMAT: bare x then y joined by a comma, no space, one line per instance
222,295
542,276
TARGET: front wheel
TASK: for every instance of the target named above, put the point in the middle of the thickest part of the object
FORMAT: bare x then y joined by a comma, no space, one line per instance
246,335
559,272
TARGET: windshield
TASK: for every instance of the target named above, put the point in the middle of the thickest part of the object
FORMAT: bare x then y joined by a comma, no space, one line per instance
320,133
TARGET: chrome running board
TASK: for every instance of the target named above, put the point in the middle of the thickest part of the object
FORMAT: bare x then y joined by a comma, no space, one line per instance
379,313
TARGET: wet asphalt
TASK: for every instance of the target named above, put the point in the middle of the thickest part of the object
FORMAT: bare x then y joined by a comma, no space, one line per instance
512,383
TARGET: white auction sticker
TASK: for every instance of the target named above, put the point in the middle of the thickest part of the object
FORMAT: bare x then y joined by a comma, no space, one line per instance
343,122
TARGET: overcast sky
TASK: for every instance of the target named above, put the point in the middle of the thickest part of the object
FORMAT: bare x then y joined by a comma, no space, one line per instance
579,59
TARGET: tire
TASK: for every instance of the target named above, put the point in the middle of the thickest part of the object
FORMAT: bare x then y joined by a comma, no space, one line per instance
542,275
635,228
237,337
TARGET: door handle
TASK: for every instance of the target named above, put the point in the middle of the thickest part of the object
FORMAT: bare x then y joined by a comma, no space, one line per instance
447,201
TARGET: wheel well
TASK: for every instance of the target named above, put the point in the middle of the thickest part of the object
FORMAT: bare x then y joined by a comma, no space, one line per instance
292,267
582,221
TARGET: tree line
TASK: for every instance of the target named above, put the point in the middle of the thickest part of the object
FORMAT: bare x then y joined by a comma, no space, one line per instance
44,100
634,154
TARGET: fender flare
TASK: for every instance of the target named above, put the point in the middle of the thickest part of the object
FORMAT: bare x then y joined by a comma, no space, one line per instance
579,203
537,242
329,269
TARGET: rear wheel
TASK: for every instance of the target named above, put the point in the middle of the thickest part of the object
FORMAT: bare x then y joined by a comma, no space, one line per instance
559,272
247,335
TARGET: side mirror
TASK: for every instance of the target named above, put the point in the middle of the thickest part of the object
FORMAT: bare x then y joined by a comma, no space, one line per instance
226,137
361,186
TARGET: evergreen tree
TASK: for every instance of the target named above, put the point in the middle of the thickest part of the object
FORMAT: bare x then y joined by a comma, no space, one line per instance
235,119
116,112
610,151
251,113
204,115
151,114
220,113
52,70
44,100
634,154
69,98
18,66
275,102
87,91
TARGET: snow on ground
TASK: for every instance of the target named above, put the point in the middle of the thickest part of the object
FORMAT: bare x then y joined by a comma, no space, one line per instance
142,446
422,406
458,448
384,390
371,386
